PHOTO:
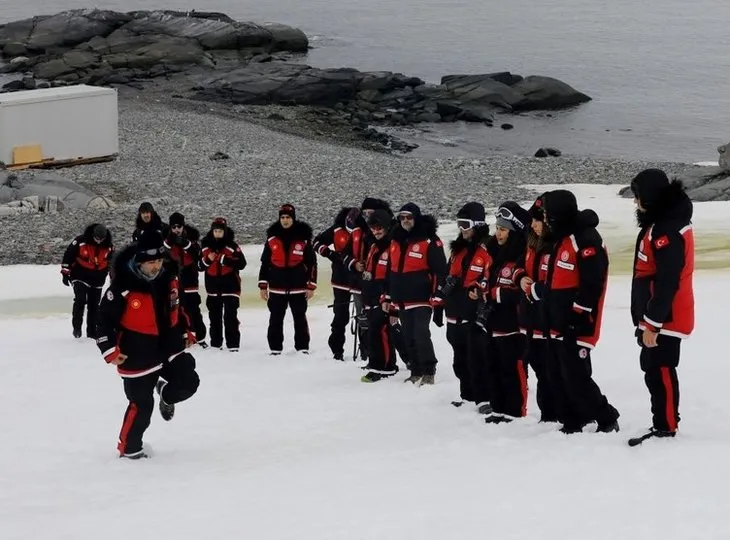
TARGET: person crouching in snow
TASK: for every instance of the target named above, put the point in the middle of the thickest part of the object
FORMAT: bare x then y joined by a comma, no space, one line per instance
222,261
288,278
373,278
144,332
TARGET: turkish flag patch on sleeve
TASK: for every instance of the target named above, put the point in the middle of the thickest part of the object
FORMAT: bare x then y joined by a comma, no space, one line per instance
662,241
588,252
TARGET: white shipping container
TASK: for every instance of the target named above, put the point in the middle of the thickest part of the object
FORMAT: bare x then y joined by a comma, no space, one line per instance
71,122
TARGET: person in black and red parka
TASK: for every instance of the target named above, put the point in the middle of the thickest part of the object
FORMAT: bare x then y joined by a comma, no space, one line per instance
417,268
662,298
143,331
85,266
332,243
288,278
183,246
575,294
530,310
507,370
222,261
468,278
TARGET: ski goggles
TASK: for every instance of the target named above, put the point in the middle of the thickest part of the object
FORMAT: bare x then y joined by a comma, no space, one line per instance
466,224
507,219
153,252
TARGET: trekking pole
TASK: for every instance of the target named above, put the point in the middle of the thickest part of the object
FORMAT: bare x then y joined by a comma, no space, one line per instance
354,330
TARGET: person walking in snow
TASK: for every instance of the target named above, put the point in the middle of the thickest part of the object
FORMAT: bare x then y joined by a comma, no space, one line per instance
85,267
147,220
288,278
662,298
222,260
183,247
143,332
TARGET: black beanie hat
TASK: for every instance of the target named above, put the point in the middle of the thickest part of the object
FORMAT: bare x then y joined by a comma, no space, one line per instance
288,210
150,247
99,231
381,218
410,208
512,216
536,211
146,207
176,218
219,223
371,203
472,210
648,186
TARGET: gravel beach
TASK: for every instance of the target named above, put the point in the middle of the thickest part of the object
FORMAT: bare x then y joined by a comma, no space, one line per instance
166,145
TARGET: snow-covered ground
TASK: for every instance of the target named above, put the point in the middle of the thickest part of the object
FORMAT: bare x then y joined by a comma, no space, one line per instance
296,447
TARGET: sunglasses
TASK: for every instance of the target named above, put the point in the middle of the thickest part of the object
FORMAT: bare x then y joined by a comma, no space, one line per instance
405,216
506,213
173,227
466,224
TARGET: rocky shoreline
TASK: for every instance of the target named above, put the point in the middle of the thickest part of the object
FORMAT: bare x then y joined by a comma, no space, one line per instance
210,57
170,156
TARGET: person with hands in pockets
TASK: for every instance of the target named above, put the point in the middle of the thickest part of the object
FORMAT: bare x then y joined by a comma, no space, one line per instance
288,278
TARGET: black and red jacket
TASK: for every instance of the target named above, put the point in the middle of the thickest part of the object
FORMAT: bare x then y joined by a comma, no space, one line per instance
504,294
223,273
470,263
184,249
375,277
141,318
536,265
576,280
332,243
288,262
360,241
662,297
155,224
417,264
86,261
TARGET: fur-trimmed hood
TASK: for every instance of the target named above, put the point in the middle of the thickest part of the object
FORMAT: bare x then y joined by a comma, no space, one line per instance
126,278
672,204
298,231
425,226
189,232
155,222
481,235
229,237
89,236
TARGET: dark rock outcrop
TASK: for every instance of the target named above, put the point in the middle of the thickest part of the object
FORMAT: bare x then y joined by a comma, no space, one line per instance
244,63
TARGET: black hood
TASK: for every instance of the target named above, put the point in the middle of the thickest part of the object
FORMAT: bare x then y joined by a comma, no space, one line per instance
481,235
209,240
584,219
425,226
341,217
126,278
89,236
154,224
298,231
672,204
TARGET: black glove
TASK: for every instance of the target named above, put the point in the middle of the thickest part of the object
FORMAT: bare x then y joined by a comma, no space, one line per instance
639,334
580,323
438,316
65,280
180,240
334,257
